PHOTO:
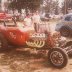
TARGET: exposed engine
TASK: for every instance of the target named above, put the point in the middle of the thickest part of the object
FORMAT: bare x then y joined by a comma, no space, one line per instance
37,40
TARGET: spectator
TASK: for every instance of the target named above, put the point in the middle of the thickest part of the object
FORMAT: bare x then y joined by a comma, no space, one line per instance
28,24
36,20
27,20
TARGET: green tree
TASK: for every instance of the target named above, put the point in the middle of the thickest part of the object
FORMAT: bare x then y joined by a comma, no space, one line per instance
51,6
56,7
32,5
66,5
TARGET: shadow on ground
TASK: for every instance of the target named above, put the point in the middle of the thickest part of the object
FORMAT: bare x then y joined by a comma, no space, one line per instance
24,61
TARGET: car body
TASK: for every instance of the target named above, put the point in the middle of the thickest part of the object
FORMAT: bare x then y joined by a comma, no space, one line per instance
14,33
17,33
65,26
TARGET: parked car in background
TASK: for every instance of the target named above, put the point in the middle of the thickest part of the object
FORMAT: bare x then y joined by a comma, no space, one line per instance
5,16
65,26
45,17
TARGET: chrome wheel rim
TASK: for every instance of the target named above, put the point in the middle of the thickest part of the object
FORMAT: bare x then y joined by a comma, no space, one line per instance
56,58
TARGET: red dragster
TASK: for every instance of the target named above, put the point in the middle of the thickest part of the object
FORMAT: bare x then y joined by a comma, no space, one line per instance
17,34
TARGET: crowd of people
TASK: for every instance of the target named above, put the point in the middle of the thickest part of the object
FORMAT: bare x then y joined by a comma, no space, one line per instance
32,20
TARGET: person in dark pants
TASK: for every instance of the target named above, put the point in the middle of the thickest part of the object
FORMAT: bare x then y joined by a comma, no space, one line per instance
36,20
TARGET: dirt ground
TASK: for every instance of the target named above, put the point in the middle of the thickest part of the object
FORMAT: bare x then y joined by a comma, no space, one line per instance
28,61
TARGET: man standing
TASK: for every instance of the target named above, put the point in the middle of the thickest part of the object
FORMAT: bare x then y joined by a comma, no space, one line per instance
28,23
36,20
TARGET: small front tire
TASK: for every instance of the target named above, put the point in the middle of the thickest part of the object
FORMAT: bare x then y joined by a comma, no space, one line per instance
58,57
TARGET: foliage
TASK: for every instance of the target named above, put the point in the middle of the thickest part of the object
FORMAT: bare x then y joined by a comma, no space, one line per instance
26,4
51,5
66,5
56,7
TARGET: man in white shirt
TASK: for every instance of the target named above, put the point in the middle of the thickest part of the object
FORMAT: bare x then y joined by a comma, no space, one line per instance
36,20
28,21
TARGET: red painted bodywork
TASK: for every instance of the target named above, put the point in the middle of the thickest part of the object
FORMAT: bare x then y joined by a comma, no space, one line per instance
14,35
19,35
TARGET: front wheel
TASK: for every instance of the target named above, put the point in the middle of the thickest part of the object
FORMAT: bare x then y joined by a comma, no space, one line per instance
58,57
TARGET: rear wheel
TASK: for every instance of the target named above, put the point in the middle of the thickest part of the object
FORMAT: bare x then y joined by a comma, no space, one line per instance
57,57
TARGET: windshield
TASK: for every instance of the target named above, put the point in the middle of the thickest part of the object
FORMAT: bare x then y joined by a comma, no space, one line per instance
10,22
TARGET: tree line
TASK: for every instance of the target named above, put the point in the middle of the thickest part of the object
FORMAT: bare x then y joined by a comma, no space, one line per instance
48,5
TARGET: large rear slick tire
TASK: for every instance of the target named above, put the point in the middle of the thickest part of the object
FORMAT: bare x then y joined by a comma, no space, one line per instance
58,57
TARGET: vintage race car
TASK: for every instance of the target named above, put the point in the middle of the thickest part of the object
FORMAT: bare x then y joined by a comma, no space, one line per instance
17,34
